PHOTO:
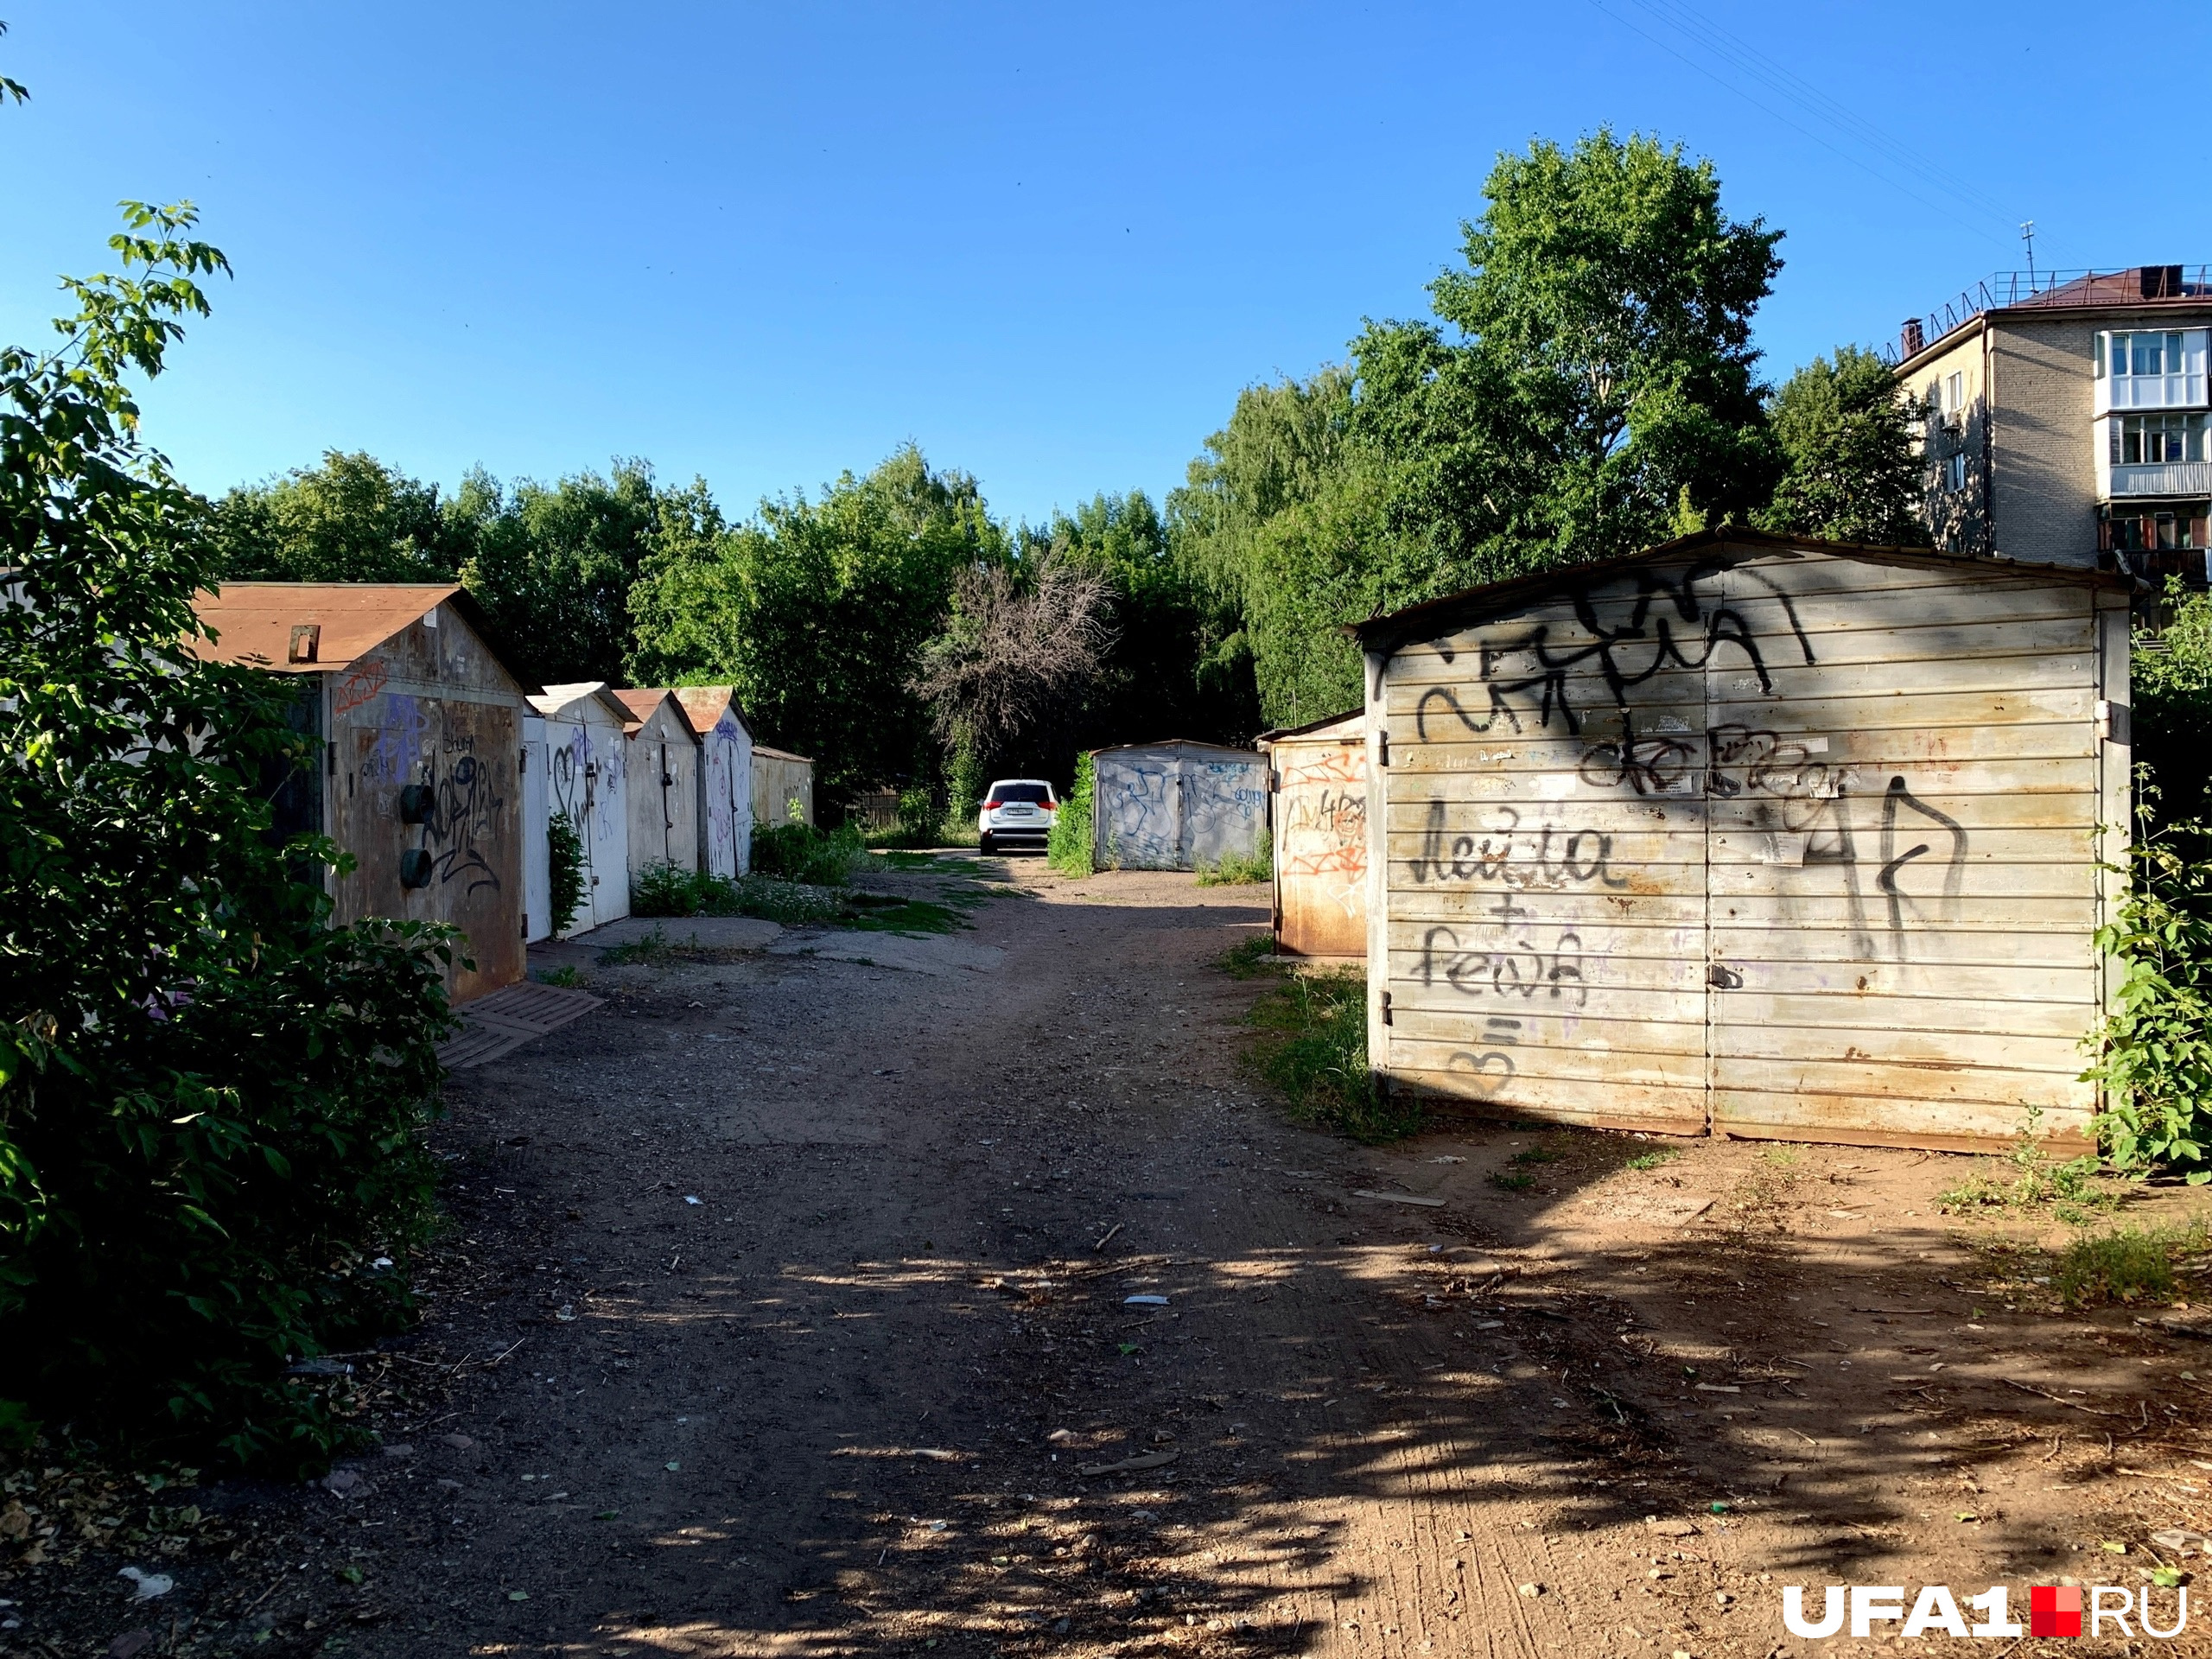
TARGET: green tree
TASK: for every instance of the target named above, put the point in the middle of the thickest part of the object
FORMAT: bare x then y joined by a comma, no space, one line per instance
554,564
817,612
1852,474
2172,714
351,519
209,1099
1586,388
1176,668
1248,527
1600,394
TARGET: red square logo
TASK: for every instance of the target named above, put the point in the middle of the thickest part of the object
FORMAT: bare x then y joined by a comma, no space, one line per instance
2054,1610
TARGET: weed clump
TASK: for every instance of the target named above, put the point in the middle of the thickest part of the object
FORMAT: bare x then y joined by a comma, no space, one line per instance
2028,1176
2128,1264
1649,1161
1239,870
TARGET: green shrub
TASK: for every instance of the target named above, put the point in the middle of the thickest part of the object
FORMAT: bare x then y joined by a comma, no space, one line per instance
211,1100
564,865
2154,1059
2171,675
799,852
1237,870
1313,1048
1069,847
667,889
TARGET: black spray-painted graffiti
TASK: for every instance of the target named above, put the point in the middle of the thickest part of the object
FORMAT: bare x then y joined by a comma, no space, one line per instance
464,818
1507,854
1784,792
1516,968
1668,624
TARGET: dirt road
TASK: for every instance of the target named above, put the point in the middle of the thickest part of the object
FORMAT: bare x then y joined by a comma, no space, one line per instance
789,1311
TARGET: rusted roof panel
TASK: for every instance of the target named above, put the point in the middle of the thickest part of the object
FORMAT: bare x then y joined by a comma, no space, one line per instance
704,705
255,621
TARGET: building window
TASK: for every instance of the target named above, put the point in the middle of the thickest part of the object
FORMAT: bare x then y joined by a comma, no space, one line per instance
1954,471
1955,394
2134,354
2156,440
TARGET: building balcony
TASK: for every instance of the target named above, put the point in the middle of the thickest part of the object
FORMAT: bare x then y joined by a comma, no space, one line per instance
2172,477
2119,393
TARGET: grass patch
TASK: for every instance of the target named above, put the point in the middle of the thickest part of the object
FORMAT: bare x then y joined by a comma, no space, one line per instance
905,916
566,978
1249,957
2129,1264
1512,1180
1312,1047
654,947
1236,871
1538,1154
1652,1160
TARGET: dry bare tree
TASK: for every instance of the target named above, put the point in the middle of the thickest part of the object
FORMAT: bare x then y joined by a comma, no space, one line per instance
1015,658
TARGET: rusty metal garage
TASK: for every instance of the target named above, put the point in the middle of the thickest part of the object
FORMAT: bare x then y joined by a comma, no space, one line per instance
421,727
1750,837
1320,837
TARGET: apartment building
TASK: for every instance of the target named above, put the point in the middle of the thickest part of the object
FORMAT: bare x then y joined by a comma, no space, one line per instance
2063,420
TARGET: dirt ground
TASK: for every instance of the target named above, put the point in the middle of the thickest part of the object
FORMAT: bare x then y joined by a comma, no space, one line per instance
787,1312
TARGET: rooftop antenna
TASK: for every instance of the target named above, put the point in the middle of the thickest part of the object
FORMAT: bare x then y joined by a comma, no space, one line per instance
2028,236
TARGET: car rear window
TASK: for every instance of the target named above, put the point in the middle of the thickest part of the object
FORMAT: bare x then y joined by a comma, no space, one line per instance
1036,793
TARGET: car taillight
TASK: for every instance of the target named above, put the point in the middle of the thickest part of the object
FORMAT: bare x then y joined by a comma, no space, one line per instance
993,804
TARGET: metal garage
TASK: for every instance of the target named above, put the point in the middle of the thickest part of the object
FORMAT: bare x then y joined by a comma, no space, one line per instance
1750,837
1320,837
664,782
783,786
725,778
421,726
585,783
1177,806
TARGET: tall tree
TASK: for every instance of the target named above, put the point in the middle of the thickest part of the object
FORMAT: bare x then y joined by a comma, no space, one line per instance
1601,391
553,565
1853,475
351,519
817,612
1587,387
1176,668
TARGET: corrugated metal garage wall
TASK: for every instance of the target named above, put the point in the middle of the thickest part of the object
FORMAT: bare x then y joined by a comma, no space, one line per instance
1798,843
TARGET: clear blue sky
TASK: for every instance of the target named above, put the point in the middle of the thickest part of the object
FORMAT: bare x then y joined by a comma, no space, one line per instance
768,243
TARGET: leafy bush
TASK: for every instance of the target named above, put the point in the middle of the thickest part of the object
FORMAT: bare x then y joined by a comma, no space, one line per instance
2154,1060
2171,676
1313,1048
1238,871
564,865
211,1100
1067,849
799,852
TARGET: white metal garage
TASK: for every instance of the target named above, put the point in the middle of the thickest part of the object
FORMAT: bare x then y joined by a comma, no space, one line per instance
1750,836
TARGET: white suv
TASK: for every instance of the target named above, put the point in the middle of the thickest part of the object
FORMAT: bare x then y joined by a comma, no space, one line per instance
1017,812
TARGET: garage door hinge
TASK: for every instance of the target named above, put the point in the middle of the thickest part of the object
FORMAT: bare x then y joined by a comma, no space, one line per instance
1386,1007
1382,748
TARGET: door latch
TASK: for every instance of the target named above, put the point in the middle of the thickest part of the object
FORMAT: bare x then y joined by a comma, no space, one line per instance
1723,977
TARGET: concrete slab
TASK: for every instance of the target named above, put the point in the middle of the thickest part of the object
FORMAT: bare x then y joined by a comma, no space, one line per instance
930,955
705,932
